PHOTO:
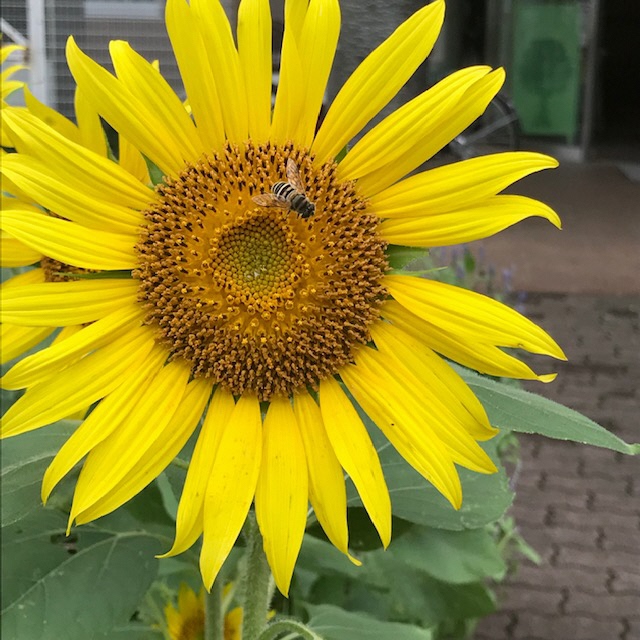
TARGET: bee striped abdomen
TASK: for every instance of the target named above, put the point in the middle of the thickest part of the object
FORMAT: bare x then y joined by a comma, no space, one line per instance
283,190
288,195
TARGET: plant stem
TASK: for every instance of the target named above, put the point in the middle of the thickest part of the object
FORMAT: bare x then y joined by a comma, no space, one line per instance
213,616
258,583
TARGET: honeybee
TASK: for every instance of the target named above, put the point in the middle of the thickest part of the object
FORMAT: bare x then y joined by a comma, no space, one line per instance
288,195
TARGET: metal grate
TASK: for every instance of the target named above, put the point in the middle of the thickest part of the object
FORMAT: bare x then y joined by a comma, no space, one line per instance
46,25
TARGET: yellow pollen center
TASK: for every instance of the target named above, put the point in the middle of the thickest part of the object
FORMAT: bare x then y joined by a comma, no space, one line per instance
256,296
258,254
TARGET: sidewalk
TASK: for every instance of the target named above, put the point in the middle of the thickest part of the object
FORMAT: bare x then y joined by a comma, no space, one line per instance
579,506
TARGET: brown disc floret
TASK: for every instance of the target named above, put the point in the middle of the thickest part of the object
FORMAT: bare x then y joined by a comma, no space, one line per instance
256,297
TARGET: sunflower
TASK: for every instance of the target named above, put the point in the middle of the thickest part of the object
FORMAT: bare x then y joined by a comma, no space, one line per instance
223,305
187,620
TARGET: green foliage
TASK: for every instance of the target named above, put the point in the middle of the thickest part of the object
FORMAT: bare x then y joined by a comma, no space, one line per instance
24,461
514,409
85,585
82,586
334,623
398,585
155,173
400,257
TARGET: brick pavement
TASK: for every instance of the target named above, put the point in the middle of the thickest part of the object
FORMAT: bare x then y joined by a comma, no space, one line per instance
579,506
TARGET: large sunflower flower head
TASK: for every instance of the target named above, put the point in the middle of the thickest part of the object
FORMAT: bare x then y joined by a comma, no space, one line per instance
250,290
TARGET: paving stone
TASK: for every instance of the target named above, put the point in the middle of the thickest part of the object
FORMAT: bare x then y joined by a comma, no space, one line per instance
579,506
580,557
633,630
624,581
618,465
495,626
524,598
613,503
533,626
570,487
586,604
578,578
618,538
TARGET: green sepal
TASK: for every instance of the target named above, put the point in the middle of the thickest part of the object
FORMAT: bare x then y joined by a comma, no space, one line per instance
155,173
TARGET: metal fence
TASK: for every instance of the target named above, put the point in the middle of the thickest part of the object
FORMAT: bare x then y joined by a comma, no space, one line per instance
45,25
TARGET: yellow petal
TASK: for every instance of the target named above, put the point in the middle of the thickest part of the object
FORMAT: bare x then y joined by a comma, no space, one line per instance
7,50
83,382
413,440
110,412
317,47
146,83
32,276
457,186
439,381
377,80
282,491
289,100
159,455
10,86
65,303
9,189
76,166
124,111
109,461
470,315
196,72
16,340
450,123
456,227
132,161
390,140
357,455
92,134
231,486
71,243
51,117
254,50
327,491
14,253
223,57
294,13
482,357
44,184
190,509
38,366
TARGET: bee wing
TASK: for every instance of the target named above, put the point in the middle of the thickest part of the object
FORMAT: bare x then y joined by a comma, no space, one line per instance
293,176
270,200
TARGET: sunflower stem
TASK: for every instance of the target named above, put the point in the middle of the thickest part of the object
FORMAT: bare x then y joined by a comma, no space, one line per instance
214,617
258,583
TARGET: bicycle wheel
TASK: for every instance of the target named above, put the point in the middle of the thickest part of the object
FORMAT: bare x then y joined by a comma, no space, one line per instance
495,130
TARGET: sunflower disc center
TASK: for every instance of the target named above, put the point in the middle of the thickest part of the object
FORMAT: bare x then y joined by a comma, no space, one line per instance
257,254
258,298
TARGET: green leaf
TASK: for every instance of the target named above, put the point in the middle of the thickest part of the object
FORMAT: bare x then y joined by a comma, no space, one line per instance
469,261
518,410
411,595
131,632
333,623
451,556
323,558
24,461
342,154
156,175
116,274
77,587
399,256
